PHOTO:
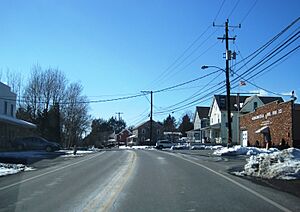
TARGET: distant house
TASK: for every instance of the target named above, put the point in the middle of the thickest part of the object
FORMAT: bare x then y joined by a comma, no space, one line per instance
200,121
10,126
122,136
142,133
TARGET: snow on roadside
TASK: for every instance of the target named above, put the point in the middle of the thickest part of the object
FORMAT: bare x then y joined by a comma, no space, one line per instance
137,147
239,150
283,164
79,153
6,169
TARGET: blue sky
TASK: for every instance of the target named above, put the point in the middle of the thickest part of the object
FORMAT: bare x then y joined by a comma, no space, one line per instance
117,48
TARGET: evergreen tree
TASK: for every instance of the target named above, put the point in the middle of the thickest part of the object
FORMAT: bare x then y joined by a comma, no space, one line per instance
169,124
185,125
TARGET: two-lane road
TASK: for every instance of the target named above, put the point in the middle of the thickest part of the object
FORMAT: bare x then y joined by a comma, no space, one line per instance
138,180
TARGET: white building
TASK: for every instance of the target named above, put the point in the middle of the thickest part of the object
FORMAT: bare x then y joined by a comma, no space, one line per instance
218,131
10,126
7,101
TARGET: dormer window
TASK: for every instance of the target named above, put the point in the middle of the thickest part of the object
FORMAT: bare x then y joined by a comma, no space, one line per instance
254,105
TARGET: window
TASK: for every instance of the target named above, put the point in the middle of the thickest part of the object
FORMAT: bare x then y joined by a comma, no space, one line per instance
143,131
12,110
254,105
158,132
5,108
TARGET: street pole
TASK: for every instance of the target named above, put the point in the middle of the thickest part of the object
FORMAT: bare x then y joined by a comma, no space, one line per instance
119,115
228,58
151,121
228,87
151,115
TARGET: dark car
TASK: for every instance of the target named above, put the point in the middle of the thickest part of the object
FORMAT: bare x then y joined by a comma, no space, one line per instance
35,143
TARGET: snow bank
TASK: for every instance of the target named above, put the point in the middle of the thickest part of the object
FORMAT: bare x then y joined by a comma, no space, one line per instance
180,146
239,150
283,164
137,147
6,169
79,153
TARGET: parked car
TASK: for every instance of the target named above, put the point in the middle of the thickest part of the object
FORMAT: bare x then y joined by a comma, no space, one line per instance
35,143
160,144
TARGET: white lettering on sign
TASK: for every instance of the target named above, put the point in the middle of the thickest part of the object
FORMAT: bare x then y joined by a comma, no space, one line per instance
267,115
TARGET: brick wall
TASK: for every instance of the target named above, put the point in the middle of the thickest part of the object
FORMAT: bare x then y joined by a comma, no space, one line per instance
278,116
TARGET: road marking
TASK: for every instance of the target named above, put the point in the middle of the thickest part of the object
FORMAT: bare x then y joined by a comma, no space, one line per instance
49,172
105,199
275,204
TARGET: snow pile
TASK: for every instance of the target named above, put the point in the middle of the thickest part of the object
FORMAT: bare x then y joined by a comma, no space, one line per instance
239,150
277,165
137,147
180,146
79,153
6,169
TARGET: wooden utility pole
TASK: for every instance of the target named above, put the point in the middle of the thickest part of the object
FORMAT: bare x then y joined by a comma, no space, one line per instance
151,115
151,120
119,115
229,56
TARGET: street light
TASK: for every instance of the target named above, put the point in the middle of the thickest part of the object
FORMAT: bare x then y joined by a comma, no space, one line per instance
229,141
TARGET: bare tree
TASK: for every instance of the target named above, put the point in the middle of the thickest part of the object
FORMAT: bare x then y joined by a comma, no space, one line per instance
75,114
14,80
33,91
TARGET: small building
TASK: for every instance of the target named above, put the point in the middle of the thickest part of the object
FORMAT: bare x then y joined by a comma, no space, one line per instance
276,122
122,136
142,133
11,127
200,121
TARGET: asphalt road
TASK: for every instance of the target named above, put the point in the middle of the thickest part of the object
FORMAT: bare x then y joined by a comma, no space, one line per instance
140,180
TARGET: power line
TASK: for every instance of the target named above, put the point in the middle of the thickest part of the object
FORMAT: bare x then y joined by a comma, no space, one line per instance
219,10
249,11
233,9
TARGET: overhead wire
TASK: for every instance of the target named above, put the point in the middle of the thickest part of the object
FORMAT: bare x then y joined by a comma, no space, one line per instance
249,11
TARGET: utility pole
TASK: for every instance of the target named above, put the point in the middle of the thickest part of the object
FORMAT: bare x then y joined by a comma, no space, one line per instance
151,121
151,115
119,115
229,56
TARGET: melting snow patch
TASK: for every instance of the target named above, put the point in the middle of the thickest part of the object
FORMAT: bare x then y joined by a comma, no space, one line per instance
239,150
6,169
283,164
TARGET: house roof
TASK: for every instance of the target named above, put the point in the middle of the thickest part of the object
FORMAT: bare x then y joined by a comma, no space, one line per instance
269,99
221,101
17,122
154,122
202,112
124,130
264,99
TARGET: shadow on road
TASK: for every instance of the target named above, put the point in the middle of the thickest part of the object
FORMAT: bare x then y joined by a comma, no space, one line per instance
27,157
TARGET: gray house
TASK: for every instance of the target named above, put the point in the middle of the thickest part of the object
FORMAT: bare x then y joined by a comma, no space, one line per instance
201,120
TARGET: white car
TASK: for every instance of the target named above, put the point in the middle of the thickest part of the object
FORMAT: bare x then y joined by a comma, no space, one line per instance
160,144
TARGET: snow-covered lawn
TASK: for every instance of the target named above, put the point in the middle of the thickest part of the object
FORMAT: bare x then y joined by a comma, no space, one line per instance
283,164
6,169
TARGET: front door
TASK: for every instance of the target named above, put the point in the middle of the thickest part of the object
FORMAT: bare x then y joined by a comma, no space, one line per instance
244,138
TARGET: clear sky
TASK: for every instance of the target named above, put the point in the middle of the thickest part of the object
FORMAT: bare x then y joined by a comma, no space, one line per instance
118,48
